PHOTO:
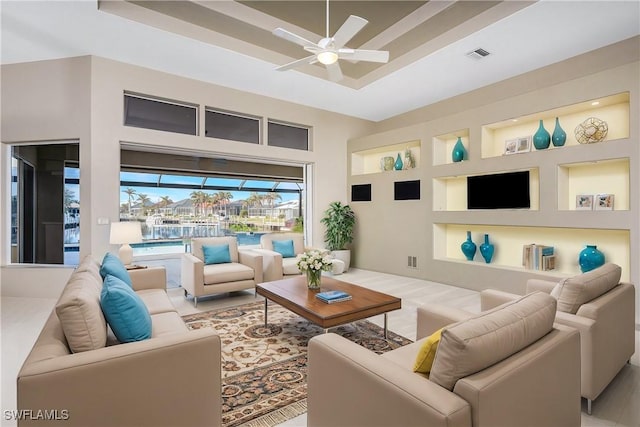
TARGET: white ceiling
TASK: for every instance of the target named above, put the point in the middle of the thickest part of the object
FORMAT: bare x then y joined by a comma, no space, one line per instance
537,35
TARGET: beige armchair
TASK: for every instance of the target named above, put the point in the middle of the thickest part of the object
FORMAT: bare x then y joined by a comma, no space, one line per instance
274,264
199,278
602,309
506,367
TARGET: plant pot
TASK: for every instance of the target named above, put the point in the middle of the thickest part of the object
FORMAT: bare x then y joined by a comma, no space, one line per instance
344,256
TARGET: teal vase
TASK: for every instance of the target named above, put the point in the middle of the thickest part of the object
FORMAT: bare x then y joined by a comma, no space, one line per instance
487,249
398,165
468,247
459,153
541,139
590,258
559,136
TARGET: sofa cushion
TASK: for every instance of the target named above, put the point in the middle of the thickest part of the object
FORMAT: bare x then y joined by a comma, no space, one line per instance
229,272
125,312
112,265
216,254
167,323
285,248
78,310
474,344
427,353
89,264
156,300
574,291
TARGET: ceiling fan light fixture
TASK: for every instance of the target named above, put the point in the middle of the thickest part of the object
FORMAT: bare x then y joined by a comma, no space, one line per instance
327,57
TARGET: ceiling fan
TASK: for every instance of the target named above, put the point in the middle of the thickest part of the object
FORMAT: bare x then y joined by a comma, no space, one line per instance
329,49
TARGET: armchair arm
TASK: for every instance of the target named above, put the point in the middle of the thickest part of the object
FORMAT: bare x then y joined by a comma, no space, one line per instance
491,298
192,271
349,385
545,286
433,317
271,264
149,278
131,384
253,260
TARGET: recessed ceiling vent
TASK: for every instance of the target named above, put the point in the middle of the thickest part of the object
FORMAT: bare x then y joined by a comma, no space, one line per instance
479,53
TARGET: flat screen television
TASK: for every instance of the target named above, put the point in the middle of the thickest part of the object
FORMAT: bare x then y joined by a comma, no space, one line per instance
499,191
361,193
406,190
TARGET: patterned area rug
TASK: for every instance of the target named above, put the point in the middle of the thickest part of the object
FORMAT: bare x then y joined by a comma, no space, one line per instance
264,369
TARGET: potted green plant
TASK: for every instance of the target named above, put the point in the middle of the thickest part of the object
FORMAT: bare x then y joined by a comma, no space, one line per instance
339,221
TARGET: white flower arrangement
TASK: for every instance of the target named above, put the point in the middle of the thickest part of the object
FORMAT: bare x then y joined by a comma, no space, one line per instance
314,260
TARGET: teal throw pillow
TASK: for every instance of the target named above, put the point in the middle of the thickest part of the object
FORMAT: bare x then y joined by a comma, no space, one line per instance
216,254
124,310
285,247
112,265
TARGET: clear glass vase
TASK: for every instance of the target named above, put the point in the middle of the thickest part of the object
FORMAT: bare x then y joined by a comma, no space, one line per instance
313,279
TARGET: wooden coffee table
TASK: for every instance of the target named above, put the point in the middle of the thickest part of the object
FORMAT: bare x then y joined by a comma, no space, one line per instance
294,295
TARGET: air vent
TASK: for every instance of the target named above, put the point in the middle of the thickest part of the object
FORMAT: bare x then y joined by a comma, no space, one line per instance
479,53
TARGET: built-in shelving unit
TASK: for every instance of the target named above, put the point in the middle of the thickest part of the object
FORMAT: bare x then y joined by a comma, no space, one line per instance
443,145
612,109
371,161
557,176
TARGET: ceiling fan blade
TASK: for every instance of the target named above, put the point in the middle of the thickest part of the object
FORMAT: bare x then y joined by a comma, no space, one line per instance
335,73
307,60
350,28
364,55
288,35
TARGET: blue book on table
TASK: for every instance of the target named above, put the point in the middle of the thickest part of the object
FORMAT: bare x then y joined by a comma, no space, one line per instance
332,295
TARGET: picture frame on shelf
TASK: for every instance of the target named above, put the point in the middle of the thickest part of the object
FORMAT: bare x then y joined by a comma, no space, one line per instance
584,202
603,202
517,145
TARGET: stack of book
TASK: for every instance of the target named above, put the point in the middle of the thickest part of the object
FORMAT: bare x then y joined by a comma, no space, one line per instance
333,296
538,257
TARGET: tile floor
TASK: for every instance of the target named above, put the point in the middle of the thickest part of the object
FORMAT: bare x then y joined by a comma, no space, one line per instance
22,319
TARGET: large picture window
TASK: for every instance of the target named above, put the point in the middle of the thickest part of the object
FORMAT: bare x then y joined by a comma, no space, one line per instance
175,206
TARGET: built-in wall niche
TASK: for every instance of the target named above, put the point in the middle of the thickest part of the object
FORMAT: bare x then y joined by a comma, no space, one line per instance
372,160
587,180
509,241
614,110
450,193
443,145
361,193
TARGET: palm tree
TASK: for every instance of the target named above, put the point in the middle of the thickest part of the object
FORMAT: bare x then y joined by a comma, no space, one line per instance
143,199
270,197
130,192
165,201
198,198
224,197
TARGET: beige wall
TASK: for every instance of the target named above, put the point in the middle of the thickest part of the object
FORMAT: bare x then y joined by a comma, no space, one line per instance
82,98
411,228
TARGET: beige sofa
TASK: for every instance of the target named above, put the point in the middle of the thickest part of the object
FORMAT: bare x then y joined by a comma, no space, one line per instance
602,309
275,266
506,367
200,279
170,379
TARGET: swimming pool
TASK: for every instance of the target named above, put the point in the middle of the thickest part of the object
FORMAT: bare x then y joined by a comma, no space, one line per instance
151,247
